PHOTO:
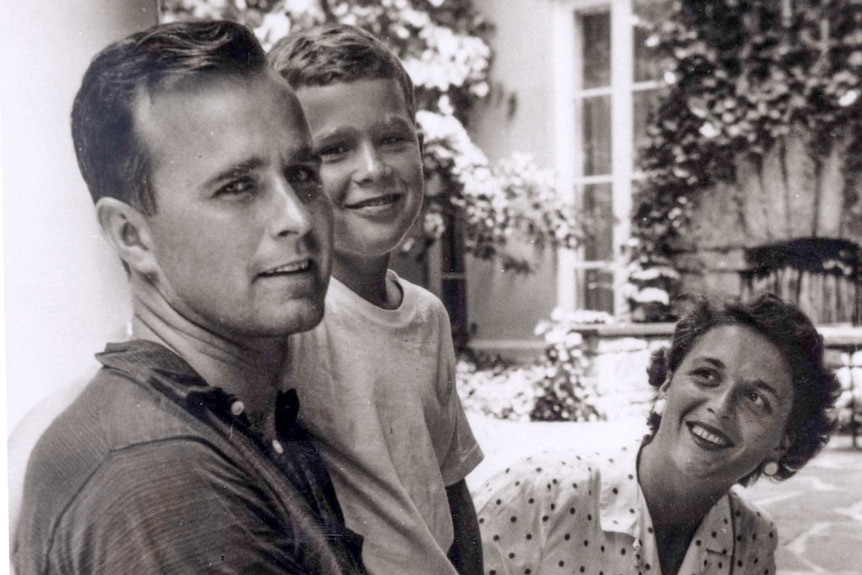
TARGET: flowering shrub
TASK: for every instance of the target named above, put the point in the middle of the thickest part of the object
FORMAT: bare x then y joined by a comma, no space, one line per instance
443,46
740,75
553,388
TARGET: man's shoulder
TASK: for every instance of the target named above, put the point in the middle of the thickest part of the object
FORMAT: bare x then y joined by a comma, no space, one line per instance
111,414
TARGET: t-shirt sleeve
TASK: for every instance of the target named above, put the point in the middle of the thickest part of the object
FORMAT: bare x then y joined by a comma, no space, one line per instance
172,509
462,453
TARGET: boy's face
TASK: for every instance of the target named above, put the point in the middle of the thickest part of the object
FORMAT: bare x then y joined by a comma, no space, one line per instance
241,233
372,162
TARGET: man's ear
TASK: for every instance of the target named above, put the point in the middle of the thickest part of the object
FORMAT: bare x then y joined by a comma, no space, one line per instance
128,232
420,136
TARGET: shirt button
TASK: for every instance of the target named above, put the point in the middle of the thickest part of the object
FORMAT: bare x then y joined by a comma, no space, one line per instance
277,446
237,407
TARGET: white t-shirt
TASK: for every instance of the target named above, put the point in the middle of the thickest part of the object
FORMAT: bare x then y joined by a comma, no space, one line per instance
377,390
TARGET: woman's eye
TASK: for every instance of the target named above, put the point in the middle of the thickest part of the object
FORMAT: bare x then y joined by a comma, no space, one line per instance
706,376
756,399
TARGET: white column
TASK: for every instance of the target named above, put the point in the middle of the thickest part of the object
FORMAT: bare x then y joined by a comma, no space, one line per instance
65,292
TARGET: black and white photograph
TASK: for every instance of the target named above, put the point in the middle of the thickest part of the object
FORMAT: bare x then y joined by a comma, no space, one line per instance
443,287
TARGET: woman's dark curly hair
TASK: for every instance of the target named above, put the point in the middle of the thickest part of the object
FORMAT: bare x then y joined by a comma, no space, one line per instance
815,387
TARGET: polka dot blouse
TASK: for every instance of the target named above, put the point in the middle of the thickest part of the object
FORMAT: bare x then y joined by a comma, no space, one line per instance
560,513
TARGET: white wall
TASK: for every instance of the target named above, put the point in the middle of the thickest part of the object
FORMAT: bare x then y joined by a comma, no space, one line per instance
506,307
65,293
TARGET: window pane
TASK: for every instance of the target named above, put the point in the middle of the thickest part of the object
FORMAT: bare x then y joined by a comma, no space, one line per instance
647,13
596,133
644,102
597,203
595,290
596,51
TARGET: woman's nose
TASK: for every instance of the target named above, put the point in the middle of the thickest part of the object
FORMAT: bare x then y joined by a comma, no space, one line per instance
721,404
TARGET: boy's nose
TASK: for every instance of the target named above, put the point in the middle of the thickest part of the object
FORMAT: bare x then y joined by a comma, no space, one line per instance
371,163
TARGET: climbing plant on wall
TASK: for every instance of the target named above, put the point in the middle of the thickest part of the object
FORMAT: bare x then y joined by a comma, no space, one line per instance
740,75
444,47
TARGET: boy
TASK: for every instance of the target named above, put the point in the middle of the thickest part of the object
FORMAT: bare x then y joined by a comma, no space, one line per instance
376,379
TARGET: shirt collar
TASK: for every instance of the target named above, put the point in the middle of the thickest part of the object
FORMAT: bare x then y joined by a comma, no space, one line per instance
621,499
151,363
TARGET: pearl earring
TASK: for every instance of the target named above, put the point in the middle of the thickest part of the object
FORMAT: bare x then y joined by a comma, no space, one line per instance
658,407
770,469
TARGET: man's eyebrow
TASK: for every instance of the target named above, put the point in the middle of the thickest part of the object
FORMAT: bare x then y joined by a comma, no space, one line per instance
241,169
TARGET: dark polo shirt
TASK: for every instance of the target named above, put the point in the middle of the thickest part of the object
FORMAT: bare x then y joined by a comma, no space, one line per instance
151,470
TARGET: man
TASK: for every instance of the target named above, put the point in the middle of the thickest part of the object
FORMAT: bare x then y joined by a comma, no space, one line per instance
181,456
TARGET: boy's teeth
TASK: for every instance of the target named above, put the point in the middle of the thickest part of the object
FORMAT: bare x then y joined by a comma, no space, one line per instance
378,201
707,436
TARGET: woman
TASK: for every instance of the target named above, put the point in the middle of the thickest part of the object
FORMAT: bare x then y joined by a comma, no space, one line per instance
742,392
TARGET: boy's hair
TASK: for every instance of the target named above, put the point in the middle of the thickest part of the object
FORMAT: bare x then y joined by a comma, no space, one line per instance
112,159
333,53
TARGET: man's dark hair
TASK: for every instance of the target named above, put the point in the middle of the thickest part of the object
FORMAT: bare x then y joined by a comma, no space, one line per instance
815,387
334,53
112,159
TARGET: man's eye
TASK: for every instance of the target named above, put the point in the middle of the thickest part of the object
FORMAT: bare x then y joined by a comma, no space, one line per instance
302,175
237,187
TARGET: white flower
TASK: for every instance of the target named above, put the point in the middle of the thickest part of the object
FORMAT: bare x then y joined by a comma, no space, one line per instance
707,130
652,295
848,98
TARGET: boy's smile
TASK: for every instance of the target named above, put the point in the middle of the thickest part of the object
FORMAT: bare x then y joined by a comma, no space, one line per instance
372,163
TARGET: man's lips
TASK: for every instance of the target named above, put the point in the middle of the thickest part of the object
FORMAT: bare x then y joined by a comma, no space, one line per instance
289,268
709,436
376,201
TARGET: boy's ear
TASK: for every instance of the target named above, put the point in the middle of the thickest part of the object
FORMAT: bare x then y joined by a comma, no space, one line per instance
128,232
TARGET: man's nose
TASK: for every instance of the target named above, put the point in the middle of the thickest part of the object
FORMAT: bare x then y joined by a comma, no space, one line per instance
290,216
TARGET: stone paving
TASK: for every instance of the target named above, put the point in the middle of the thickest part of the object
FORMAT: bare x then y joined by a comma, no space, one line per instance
818,511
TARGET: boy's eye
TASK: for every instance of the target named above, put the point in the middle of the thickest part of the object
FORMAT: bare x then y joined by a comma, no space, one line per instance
333,151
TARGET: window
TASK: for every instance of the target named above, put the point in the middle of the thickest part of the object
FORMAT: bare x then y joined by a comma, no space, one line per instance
607,81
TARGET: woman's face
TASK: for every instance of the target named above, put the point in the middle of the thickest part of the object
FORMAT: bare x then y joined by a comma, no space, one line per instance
727,406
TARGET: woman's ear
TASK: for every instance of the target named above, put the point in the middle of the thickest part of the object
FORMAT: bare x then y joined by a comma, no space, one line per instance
782,447
128,232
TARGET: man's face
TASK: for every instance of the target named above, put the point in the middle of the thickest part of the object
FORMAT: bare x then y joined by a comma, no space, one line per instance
242,229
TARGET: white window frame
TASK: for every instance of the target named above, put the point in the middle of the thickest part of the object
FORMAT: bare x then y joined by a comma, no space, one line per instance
567,138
